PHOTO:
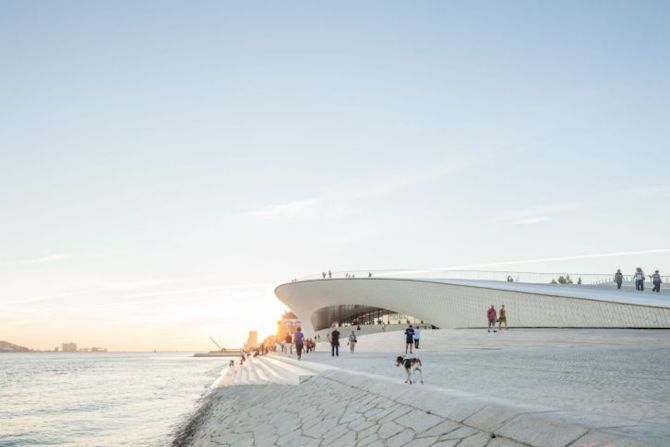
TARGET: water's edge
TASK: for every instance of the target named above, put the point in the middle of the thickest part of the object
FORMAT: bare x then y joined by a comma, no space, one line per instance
184,434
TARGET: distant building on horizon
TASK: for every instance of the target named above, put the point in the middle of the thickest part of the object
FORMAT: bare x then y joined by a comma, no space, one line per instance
69,347
252,340
287,325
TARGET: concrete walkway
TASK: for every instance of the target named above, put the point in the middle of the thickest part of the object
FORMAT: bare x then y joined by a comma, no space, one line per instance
616,380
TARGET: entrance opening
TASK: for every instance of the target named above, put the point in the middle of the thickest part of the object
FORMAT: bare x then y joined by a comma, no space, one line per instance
359,315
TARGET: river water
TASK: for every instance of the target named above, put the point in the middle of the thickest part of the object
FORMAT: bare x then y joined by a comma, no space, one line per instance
100,399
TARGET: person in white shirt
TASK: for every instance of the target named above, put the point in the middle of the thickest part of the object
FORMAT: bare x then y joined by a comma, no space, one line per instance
639,278
352,341
417,335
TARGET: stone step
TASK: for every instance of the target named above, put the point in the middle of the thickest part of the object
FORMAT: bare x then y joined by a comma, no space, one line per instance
313,367
282,374
253,372
291,368
275,375
244,374
270,369
261,373
239,374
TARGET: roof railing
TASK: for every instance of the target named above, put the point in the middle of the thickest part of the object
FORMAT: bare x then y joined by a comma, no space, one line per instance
561,278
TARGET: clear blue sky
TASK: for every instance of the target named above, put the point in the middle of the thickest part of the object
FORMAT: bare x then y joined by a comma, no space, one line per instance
164,164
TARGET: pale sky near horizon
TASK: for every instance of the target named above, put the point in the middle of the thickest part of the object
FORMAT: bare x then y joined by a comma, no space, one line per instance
164,165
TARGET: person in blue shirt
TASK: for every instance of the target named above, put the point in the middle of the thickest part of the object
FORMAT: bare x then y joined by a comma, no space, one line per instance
409,339
298,341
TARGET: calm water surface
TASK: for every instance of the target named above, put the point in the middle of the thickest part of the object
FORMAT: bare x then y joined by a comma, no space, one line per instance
99,399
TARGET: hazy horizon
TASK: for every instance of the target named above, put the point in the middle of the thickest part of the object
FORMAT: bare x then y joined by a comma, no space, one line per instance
165,165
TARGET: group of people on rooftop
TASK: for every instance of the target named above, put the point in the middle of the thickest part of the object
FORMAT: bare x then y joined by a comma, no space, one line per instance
639,278
329,275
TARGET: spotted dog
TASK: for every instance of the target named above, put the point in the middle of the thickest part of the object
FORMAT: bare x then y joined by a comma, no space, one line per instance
412,366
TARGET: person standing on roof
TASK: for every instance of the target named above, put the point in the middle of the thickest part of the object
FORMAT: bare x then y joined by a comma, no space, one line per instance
618,278
656,281
639,279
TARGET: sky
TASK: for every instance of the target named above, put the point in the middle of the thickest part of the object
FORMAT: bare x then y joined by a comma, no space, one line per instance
165,165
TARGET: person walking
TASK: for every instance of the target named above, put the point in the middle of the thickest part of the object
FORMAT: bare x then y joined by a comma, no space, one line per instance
323,274
334,338
330,274
417,336
618,278
352,341
299,341
502,317
409,339
639,279
288,341
491,315
656,281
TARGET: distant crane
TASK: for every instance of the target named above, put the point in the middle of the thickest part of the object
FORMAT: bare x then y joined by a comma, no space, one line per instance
217,345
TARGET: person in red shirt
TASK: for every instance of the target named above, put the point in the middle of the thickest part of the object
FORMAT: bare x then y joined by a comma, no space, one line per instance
491,314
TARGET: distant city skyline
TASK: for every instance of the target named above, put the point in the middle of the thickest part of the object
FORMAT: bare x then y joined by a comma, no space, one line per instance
164,165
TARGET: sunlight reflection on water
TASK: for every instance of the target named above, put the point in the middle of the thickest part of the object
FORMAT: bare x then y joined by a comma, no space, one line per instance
94,399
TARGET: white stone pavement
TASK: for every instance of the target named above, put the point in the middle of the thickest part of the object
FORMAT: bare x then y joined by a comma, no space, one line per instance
618,380
308,403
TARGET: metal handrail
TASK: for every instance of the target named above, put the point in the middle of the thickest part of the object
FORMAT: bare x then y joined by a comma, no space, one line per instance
594,279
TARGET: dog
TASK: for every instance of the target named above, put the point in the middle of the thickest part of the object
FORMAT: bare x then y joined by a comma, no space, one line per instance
412,366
